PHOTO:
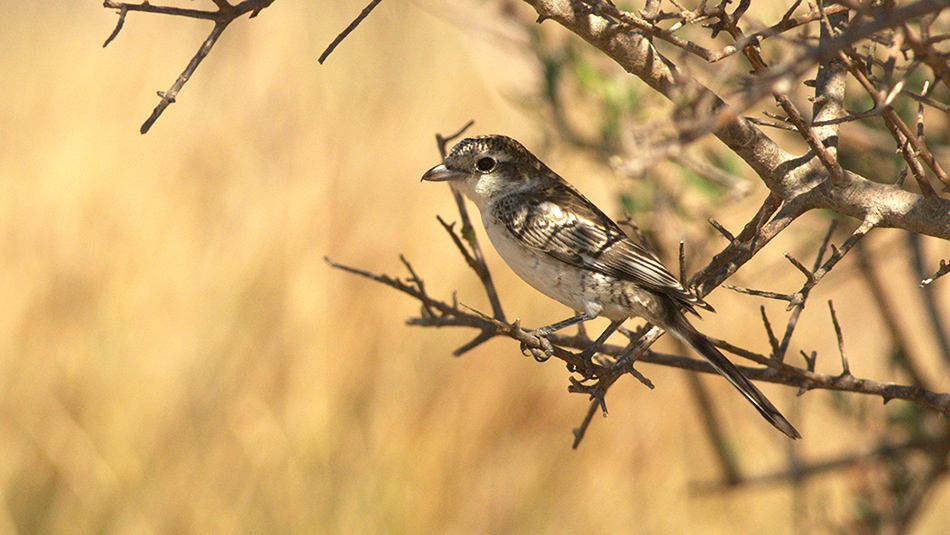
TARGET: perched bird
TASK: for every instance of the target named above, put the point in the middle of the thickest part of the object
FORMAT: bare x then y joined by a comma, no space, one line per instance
568,249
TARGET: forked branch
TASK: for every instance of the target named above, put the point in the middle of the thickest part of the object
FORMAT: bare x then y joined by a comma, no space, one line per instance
222,17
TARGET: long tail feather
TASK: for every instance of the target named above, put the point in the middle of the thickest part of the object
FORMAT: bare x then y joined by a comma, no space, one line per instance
686,333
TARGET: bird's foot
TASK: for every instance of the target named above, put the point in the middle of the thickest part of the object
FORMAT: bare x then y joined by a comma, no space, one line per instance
587,356
546,351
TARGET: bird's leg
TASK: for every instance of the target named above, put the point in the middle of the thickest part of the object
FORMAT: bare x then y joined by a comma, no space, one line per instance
581,331
581,317
588,354
543,332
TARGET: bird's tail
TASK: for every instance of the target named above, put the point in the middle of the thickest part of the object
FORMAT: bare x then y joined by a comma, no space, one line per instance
688,334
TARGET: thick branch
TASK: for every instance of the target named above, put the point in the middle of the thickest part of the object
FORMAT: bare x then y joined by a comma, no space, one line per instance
790,177
830,85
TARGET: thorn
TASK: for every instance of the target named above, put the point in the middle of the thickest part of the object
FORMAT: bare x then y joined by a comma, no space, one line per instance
722,230
807,272
845,368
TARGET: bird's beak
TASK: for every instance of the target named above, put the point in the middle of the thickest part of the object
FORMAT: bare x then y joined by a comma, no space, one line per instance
441,173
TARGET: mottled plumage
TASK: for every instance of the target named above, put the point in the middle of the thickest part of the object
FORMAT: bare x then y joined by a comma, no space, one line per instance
564,246
560,222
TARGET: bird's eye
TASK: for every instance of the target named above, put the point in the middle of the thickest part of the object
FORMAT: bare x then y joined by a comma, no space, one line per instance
485,164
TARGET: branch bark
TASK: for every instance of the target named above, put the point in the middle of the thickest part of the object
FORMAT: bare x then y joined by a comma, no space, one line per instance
799,178
222,18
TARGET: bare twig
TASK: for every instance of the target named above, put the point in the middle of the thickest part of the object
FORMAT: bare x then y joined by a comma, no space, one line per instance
796,306
775,372
759,293
926,53
442,141
773,341
755,235
581,430
168,97
349,29
627,221
118,26
682,262
477,261
845,368
911,147
772,124
450,229
146,7
222,18
800,267
941,271
837,254
851,117
722,230
928,101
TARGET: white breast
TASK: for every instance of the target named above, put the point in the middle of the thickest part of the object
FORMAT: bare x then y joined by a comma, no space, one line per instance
564,283
580,289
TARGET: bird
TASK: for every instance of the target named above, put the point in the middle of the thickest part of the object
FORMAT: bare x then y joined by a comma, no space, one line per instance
564,246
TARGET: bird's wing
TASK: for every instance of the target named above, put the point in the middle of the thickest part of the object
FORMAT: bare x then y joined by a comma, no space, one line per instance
560,222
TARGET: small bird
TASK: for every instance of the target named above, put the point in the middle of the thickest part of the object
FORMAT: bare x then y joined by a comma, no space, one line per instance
568,249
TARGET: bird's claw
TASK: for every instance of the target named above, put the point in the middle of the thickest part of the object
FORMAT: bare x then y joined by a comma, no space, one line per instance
587,356
543,354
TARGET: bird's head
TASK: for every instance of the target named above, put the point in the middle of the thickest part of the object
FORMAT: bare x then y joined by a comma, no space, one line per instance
489,167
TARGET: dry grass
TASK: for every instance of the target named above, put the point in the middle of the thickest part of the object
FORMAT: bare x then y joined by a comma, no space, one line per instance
175,357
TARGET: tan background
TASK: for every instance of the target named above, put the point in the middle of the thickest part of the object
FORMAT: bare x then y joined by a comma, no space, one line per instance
176,357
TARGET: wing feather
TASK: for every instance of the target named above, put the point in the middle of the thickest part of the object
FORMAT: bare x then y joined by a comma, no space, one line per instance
560,222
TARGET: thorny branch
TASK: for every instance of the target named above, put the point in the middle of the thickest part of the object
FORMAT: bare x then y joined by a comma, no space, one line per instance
805,177
848,34
756,233
443,314
225,14
880,45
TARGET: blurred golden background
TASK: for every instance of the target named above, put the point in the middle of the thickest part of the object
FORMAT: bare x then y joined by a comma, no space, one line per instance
177,357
